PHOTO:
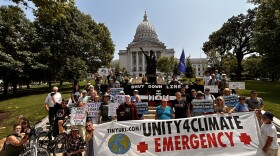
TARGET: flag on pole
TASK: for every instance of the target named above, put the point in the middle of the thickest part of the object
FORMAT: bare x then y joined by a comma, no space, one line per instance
182,64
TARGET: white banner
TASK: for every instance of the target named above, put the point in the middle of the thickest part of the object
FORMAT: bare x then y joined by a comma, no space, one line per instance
93,109
119,99
211,135
213,88
78,116
236,85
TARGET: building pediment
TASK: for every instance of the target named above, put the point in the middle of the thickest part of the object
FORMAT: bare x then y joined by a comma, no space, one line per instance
146,43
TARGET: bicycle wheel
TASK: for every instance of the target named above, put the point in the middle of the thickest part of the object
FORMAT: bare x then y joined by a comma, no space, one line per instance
43,139
31,152
60,147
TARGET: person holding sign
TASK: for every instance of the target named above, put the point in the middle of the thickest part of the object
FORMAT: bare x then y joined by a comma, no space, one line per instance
241,106
179,107
220,106
254,102
163,111
127,110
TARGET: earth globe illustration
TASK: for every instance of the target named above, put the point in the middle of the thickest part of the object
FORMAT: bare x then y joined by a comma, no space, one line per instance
119,143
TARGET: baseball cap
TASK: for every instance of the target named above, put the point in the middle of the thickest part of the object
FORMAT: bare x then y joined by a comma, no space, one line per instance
268,115
136,91
193,90
84,91
121,92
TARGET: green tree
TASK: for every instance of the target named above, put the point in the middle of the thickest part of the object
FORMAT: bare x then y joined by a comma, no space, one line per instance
77,36
253,67
235,36
190,71
17,58
166,65
267,34
51,10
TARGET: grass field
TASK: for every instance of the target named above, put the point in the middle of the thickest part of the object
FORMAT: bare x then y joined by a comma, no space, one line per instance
30,103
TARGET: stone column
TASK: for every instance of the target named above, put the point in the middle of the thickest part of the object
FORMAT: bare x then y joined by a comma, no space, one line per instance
143,64
137,63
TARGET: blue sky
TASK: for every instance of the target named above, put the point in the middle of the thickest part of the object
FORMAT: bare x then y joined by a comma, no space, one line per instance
178,23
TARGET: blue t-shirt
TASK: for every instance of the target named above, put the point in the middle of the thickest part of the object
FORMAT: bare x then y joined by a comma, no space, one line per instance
241,108
164,113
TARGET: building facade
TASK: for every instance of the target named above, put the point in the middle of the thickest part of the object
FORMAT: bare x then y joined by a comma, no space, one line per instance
146,37
200,65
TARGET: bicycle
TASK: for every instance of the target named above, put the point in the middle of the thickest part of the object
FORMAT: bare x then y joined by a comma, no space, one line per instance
33,148
56,145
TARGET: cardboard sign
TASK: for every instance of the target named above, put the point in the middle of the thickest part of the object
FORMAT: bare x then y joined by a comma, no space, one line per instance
119,99
231,100
103,71
142,107
112,109
93,109
236,85
78,116
203,105
115,91
213,88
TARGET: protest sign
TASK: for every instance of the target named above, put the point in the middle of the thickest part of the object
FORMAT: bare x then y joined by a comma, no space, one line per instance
236,85
93,109
203,105
78,116
211,135
115,91
231,100
103,71
213,88
142,107
119,99
112,109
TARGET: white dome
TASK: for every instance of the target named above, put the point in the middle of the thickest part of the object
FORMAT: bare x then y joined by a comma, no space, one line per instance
145,31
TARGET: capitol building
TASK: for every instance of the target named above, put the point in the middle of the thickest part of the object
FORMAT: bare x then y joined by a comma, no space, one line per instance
146,37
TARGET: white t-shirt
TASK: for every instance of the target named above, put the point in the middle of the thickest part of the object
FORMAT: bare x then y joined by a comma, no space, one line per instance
49,101
269,130
206,79
209,97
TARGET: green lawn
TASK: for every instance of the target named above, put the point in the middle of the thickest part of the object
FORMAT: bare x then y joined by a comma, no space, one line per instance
30,103
268,91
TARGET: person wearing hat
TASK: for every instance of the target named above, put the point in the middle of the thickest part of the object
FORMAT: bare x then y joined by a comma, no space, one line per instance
269,135
227,92
254,102
103,109
132,98
75,143
219,106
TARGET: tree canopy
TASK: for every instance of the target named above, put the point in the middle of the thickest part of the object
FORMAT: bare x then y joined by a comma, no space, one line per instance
235,36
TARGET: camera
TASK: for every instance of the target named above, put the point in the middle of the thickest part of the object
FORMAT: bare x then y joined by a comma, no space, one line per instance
52,93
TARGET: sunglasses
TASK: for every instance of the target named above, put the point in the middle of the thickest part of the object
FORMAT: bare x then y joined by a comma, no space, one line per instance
219,99
207,90
88,125
241,99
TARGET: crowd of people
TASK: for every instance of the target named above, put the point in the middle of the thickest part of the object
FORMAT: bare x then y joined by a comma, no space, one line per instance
81,136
